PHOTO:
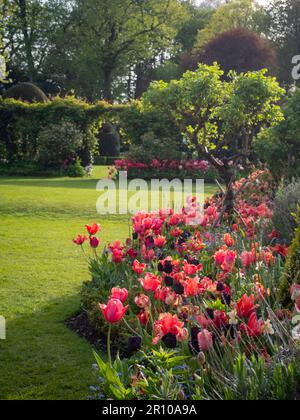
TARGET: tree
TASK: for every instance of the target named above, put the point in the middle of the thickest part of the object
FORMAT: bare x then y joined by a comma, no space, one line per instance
219,119
279,146
283,28
30,34
233,14
5,13
117,34
238,49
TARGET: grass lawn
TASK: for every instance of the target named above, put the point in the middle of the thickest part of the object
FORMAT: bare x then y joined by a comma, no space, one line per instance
41,272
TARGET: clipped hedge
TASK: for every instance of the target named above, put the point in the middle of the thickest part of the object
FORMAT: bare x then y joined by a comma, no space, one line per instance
292,269
21,123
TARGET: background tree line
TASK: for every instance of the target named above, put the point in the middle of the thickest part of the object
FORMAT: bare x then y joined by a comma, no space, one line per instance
113,49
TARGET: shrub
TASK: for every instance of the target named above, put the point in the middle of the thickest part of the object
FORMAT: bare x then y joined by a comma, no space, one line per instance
286,201
74,169
27,92
58,143
292,268
109,141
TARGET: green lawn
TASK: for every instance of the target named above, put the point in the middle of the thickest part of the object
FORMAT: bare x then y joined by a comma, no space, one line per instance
40,276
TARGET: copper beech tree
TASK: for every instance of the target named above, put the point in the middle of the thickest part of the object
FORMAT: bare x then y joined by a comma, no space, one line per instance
219,119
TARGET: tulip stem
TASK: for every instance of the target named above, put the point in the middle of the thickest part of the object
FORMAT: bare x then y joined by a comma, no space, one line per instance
129,327
108,345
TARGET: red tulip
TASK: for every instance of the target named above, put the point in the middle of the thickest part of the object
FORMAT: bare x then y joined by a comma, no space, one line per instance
114,311
245,306
93,229
228,240
94,242
254,328
160,241
120,294
138,268
80,240
205,340
150,282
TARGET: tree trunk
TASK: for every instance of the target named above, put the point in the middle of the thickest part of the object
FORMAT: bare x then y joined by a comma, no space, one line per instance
27,39
107,90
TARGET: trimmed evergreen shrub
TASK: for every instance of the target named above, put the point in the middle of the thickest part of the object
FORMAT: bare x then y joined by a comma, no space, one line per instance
292,269
109,141
27,92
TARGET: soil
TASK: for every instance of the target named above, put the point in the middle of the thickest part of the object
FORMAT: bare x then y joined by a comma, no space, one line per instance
80,325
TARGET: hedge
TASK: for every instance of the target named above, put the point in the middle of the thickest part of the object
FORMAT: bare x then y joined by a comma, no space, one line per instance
21,123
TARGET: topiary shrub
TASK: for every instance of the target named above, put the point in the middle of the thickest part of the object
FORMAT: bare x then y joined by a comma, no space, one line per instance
286,201
292,269
26,92
58,144
109,141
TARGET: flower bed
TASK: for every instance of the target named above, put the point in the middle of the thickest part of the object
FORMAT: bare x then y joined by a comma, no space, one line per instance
198,305
169,169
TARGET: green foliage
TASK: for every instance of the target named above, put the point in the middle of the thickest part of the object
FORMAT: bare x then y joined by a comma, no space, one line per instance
233,14
75,170
254,380
292,268
58,143
21,123
153,147
286,202
109,141
215,116
26,92
167,375
279,146
137,120
105,276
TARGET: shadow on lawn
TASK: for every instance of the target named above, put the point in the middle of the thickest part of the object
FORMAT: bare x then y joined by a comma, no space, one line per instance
51,183
42,358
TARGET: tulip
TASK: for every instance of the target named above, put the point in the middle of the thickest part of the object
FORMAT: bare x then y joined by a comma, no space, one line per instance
114,311
245,306
254,328
228,240
150,282
120,294
205,340
94,242
80,240
138,268
142,301
160,241
93,229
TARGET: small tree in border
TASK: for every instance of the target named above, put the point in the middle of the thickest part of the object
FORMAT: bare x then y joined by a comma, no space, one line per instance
220,119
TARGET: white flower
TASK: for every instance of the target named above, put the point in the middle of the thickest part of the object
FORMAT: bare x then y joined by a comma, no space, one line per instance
233,318
268,328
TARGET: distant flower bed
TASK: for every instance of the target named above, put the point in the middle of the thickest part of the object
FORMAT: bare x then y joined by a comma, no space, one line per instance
166,169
